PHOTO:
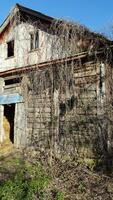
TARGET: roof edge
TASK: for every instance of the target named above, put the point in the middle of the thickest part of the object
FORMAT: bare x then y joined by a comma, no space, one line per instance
8,18
26,10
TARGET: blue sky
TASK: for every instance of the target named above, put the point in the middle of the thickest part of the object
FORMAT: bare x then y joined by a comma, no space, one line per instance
95,14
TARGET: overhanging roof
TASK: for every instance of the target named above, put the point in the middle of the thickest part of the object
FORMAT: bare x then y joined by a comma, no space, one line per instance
34,13
27,11
42,65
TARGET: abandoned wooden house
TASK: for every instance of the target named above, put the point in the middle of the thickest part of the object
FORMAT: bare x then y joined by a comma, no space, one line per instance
55,88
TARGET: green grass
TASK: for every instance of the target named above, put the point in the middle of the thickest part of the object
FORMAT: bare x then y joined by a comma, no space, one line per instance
25,182
59,196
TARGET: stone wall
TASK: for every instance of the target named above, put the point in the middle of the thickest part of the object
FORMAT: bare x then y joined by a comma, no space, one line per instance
65,113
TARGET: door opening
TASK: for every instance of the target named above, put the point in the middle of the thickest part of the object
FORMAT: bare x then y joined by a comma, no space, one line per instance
9,114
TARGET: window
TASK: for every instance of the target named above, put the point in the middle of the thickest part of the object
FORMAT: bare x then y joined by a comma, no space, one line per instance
10,48
13,81
34,40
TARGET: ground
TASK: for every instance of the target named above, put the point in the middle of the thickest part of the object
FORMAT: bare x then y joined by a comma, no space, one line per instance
34,178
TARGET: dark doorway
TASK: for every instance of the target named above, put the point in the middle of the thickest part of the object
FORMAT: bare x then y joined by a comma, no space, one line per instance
9,114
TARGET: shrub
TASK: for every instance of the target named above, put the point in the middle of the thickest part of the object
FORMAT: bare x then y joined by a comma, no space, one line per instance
28,182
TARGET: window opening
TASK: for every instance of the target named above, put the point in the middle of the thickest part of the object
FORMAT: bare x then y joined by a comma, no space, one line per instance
10,48
34,40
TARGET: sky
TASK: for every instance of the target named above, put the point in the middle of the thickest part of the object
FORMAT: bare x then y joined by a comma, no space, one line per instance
97,15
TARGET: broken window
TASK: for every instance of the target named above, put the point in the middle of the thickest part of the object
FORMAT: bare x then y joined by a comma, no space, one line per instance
34,40
10,48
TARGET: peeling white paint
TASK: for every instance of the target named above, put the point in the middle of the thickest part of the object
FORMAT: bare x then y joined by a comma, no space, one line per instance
22,54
